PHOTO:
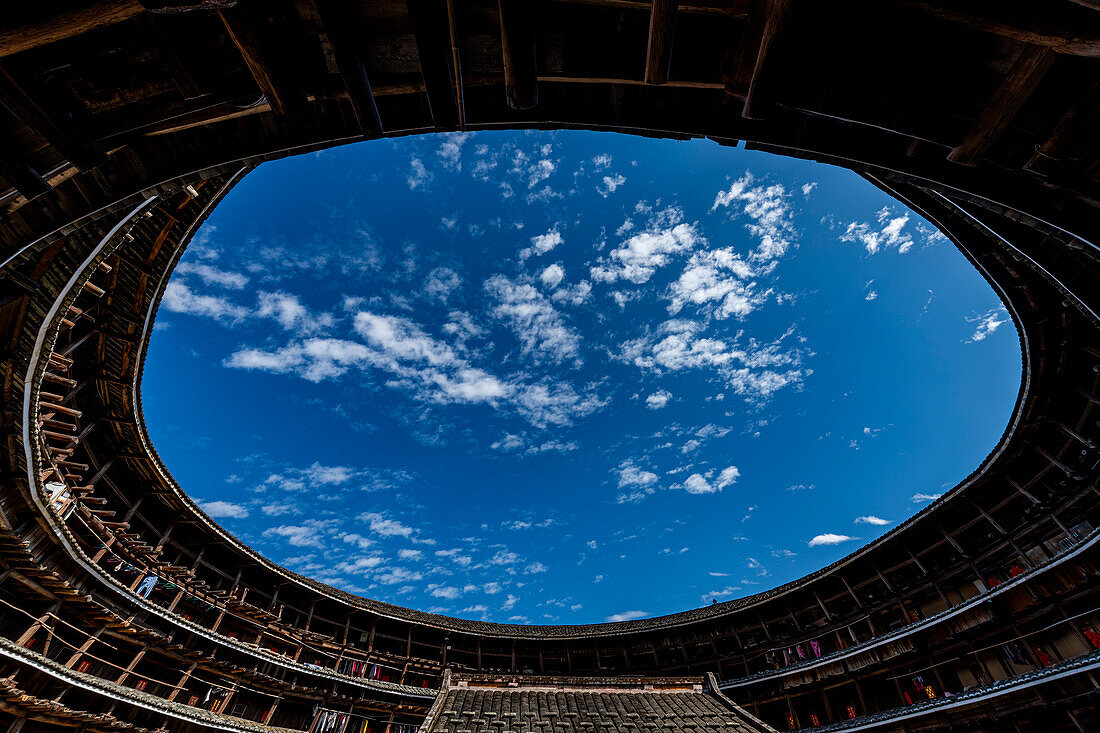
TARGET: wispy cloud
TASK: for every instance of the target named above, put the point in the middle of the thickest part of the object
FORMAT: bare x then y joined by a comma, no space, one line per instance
830,538
988,323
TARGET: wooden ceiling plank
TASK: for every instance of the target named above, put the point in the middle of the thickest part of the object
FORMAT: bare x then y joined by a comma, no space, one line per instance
517,41
242,27
771,17
1026,74
662,26
48,121
340,29
433,40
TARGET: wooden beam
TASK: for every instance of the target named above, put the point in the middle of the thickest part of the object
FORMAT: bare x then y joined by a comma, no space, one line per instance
662,26
166,49
431,27
243,29
517,42
16,170
340,29
1053,31
1022,79
51,122
768,19
53,25
1069,143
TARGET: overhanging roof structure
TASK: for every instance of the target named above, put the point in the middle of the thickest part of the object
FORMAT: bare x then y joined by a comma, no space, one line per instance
122,124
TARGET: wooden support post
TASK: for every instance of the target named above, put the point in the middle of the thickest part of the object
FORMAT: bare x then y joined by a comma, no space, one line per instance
83,648
51,122
130,667
517,42
243,29
340,28
183,681
757,58
1025,75
662,26
431,27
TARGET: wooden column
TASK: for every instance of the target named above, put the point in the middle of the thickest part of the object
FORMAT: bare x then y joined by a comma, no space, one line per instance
345,36
517,41
431,26
768,21
662,26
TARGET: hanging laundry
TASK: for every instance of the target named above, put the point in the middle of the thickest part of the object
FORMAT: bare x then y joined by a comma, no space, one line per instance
147,586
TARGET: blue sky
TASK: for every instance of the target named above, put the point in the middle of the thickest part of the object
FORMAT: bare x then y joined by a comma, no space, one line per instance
570,377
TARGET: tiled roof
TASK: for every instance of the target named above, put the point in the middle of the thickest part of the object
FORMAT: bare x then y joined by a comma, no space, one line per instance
484,704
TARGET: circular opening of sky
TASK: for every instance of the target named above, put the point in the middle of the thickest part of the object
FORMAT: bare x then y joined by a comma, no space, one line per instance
569,377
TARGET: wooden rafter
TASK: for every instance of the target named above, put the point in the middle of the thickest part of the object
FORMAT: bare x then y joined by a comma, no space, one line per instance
1025,75
243,29
768,21
340,27
166,49
517,41
50,122
433,39
662,26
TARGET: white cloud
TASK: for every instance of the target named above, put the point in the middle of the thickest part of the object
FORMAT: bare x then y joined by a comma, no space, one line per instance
717,278
444,591
705,483
537,324
770,214
871,519
658,399
223,509
922,498
754,371
541,244
286,310
552,276
419,176
988,323
574,294
382,525
504,557
212,275
393,576
626,616
640,256
610,184
830,538
179,298
441,282
807,188
889,233
637,482
450,151
308,534
535,567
